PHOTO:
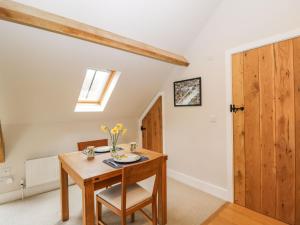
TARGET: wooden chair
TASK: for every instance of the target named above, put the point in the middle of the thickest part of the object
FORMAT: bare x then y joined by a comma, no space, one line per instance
128,197
96,143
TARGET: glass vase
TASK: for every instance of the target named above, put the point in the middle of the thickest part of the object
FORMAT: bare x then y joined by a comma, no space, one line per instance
113,151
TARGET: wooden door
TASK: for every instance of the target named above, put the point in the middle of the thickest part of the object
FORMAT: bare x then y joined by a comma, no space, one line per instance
266,81
152,128
2,155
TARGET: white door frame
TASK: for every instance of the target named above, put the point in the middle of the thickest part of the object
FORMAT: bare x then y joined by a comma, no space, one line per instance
140,137
229,120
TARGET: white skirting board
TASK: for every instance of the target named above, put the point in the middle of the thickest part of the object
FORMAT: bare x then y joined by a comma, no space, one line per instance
204,186
181,177
16,195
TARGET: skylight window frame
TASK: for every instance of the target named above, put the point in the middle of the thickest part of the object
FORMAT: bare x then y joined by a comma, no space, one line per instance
99,105
107,84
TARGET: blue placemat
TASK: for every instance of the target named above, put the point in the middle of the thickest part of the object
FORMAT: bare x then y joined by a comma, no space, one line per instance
116,165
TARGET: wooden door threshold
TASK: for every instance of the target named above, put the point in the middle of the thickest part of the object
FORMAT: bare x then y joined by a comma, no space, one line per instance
232,214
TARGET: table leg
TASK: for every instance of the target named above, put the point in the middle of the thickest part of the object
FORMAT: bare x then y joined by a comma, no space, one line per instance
64,194
88,207
162,195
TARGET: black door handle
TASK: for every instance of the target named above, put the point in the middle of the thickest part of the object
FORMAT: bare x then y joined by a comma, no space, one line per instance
234,109
143,128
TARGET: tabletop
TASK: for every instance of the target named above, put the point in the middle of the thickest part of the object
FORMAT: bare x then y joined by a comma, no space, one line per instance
96,168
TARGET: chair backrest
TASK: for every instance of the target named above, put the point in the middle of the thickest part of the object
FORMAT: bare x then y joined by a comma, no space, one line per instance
96,143
138,172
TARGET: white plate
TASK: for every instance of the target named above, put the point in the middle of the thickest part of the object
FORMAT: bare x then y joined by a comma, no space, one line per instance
102,149
127,158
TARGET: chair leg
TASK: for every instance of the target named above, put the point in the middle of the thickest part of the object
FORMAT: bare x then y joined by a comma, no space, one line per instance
99,212
132,218
154,211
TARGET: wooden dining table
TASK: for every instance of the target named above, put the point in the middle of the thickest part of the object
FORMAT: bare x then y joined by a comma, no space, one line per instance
92,175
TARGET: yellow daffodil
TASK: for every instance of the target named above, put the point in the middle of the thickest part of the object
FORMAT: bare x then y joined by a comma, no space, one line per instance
104,128
119,126
114,130
114,133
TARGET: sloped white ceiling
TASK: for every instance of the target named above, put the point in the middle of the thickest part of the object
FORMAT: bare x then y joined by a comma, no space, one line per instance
168,24
41,73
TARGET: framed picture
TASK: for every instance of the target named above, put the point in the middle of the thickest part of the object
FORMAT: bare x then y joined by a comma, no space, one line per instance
187,92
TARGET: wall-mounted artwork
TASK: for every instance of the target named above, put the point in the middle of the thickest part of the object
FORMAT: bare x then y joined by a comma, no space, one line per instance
187,92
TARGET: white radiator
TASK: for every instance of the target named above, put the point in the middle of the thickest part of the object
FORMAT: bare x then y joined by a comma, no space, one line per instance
41,171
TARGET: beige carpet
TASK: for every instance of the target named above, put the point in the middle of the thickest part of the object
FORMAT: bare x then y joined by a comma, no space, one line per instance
186,206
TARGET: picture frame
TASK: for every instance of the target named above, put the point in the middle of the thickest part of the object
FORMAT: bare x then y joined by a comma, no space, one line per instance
187,92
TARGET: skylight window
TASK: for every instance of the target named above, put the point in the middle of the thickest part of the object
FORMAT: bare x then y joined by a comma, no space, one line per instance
96,90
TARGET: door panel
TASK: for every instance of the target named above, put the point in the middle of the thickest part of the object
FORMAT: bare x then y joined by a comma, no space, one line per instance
156,115
152,128
296,43
239,130
267,130
285,131
144,135
266,135
147,126
252,145
2,153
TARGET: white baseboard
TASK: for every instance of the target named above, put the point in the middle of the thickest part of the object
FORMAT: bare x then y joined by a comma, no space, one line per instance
181,177
16,195
28,192
199,184
10,196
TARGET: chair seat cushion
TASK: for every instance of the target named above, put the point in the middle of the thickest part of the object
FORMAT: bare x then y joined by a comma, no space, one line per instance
134,194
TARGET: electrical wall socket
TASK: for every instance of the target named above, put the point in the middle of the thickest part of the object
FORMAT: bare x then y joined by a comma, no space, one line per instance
5,171
9,180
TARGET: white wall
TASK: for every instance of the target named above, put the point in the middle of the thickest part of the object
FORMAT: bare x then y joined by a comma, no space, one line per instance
29,141
196,147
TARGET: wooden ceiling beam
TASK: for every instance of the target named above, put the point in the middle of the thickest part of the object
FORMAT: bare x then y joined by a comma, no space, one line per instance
23,14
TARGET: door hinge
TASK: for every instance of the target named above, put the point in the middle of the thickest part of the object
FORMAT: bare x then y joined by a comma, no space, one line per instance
234,109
